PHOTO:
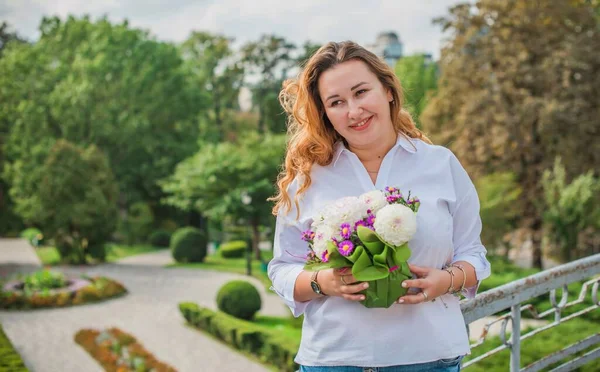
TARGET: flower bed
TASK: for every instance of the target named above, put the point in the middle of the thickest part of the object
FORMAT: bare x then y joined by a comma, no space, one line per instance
77,291
246,336
10,360
118,351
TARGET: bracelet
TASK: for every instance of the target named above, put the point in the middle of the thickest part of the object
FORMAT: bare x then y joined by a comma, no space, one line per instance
451,288
461,268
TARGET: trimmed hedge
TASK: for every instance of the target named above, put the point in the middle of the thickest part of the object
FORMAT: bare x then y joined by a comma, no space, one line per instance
10,360
116,350
188,244
160,238
233,249
239,298
99,289
265,344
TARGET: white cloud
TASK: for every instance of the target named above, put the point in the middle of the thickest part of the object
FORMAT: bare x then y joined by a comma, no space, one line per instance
319,21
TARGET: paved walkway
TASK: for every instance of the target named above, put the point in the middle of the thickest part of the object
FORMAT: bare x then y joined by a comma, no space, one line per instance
44,338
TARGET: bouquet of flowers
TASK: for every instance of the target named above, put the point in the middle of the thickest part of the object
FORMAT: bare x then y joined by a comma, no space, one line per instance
370,234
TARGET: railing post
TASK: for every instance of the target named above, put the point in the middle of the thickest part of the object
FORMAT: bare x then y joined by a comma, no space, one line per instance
515,344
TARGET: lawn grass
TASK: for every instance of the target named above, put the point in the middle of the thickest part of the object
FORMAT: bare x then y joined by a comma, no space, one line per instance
283,326
114,252
232,265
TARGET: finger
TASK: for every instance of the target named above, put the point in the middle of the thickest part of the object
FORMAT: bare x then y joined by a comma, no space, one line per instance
348,279
415,283
419,270
356,297
354,288
412,299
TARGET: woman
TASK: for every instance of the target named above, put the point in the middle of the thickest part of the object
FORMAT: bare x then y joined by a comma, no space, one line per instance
349,135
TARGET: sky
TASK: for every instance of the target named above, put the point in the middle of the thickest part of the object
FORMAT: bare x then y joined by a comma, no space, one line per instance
296,20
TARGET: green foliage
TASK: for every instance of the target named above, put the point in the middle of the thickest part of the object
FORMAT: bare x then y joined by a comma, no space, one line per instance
10,360
44,279
188,244
33,235
499,198
96,82
269,58
137,224
240,299
418,76
160,238
269,345
570,209
74,199
233,249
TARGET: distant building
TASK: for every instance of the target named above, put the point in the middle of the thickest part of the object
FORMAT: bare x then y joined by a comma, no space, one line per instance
388,47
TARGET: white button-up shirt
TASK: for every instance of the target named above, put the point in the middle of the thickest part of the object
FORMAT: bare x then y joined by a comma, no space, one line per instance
341,332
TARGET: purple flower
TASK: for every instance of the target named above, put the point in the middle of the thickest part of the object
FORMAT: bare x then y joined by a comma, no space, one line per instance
345,229
393,268
325,256
359,223
370,220
346,248
308,235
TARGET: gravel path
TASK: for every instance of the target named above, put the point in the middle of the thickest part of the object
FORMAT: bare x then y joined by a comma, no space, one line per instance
44,338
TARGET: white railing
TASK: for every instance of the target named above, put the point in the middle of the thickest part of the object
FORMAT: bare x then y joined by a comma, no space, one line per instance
513,295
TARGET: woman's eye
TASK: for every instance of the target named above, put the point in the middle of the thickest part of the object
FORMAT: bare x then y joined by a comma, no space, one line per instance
361,91
335,103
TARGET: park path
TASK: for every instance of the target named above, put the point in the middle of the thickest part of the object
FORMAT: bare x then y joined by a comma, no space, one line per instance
44,338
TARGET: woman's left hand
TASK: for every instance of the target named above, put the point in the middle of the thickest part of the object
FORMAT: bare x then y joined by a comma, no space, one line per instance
432,282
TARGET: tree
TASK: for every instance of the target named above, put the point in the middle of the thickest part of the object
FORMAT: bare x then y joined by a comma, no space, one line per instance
519,85
418,75
211,65
269,58
103,84
7,36
76,201
230,180
570,209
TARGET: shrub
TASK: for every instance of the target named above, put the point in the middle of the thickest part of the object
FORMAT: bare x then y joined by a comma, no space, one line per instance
189,245
45,279
33,236
233,249
252,338
240,299
137,224
160,238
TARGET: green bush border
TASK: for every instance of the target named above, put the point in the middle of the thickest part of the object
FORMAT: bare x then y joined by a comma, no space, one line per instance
266,345
10,360
100,288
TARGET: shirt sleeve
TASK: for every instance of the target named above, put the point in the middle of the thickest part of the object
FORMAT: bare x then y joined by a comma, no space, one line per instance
467,227
289,252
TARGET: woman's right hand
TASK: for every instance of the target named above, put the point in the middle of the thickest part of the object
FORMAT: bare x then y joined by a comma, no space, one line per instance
341,283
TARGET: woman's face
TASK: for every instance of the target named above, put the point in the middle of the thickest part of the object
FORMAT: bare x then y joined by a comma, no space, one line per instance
357,104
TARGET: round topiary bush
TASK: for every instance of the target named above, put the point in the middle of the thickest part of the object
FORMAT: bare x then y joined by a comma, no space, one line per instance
240,299
233,249
188,244
160,238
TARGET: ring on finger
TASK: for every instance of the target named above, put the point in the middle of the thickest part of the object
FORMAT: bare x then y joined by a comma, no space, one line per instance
342,280
425,295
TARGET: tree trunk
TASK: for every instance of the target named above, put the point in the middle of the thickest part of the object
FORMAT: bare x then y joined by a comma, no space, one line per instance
256,240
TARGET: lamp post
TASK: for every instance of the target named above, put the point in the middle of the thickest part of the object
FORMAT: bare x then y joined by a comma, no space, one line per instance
246,200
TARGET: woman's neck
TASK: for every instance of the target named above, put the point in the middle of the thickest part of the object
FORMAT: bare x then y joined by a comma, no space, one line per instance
370,153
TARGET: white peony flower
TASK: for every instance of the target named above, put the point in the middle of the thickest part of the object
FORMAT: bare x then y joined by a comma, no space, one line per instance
345,210
374,200
396,224
323,235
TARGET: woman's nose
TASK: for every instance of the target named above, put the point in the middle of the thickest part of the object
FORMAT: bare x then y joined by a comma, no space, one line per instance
354,110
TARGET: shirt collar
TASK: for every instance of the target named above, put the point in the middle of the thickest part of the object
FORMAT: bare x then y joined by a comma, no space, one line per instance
403,141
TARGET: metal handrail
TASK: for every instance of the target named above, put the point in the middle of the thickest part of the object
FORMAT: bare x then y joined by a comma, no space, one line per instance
512,295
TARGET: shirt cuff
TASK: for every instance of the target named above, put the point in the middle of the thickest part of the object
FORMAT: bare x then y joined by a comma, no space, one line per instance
284,286
482,270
